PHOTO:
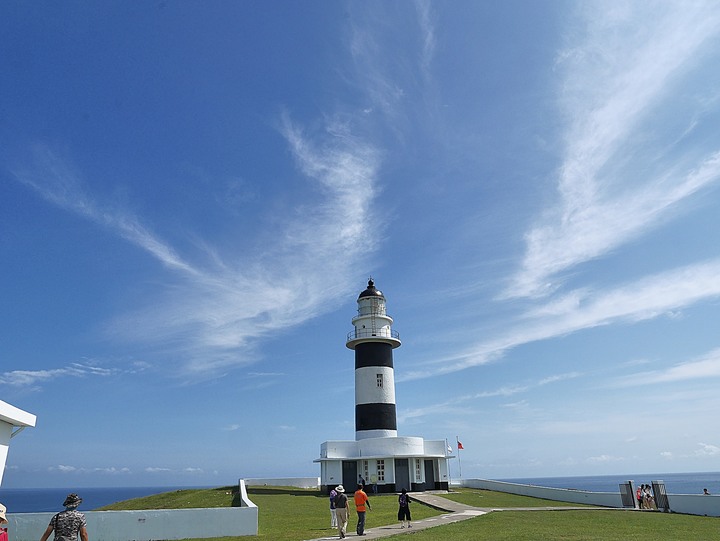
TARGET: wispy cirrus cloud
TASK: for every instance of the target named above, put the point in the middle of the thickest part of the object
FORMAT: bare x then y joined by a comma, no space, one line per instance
640,300
461,401
56,181
33,378
702,368
609,189
212,312
426,24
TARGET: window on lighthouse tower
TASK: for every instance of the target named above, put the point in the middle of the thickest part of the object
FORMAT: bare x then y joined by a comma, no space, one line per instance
380,380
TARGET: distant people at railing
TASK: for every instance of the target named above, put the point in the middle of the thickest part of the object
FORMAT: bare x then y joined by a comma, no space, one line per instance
648,498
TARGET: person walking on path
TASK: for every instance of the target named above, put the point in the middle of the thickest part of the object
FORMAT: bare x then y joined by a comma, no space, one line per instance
361,503
404,509
69,523
333,514
342,510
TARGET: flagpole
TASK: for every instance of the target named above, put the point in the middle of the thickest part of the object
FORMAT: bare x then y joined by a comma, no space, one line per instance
447,451
457,442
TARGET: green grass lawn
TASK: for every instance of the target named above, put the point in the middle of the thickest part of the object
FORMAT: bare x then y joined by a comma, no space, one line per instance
610,525
292,514
488,498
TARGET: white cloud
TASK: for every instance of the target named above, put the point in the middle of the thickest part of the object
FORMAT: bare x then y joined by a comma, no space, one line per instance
112,470
212,312
30,378
427,33
707,366
604,459
707,450
612,83
56,182
648,298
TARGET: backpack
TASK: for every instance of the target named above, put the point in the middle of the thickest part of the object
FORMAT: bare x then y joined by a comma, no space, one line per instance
341,501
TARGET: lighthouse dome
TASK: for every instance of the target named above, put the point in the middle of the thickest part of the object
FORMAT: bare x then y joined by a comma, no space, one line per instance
371,291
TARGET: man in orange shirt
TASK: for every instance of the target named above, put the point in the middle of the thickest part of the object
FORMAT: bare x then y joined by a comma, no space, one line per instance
361,500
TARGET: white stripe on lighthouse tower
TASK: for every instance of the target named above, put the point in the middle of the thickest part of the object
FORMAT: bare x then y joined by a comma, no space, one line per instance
373,341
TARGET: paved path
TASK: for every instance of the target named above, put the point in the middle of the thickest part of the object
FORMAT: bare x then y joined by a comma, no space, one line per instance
455,513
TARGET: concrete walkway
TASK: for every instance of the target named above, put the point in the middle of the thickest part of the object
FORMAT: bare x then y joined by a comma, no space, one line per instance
455,513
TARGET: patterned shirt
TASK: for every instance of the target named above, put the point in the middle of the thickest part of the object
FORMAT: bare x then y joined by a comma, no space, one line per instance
67,524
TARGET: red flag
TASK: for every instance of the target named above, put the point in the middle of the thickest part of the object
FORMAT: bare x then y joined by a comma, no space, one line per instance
460,445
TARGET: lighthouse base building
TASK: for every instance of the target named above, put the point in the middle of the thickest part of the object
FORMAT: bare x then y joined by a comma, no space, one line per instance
385,461
386,464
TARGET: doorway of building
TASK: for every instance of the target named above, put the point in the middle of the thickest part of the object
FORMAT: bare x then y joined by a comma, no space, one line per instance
349,475
402,474
429,475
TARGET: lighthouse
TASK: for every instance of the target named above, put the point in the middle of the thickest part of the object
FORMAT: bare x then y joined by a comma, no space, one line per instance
373,341
387,461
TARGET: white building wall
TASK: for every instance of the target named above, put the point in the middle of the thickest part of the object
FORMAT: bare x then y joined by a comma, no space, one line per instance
11,417
5,433
333,473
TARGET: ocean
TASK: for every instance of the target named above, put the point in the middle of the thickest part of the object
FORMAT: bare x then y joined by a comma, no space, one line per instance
35,500
675,483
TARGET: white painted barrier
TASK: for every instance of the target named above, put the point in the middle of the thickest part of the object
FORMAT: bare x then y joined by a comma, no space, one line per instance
150,524
299,482
603,499
690,504
695,504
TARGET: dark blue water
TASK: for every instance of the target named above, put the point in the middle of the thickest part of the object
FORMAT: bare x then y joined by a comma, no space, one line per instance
36,500
675,483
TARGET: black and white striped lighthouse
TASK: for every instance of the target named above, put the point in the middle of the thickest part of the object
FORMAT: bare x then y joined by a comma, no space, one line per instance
373,341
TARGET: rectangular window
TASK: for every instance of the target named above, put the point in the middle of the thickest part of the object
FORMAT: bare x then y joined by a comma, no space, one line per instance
365,470
381,470
380,380
418,470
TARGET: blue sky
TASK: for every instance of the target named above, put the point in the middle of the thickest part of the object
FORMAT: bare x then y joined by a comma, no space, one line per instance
192,195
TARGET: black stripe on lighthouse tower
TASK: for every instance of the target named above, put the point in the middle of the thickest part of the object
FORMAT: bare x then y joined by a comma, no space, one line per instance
373,354
374,416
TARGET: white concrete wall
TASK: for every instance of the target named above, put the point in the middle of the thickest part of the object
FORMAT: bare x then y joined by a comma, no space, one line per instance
691,504
299,482
150,524
146,525
604,499
695,504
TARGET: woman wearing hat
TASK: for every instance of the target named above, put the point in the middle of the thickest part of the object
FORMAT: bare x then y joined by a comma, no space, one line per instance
69,523
342,510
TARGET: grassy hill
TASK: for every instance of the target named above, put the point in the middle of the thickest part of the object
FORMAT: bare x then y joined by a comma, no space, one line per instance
293,514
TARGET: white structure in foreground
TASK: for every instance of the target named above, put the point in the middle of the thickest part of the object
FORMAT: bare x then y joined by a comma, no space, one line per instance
386,461
12,422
